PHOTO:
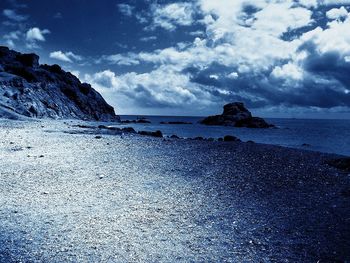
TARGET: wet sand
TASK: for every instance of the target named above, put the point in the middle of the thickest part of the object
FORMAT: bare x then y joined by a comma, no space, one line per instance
68,197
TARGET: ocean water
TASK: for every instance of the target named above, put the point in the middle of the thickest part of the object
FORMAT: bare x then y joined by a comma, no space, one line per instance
330,136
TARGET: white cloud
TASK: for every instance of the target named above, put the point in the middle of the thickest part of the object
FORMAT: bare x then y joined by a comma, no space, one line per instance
172,15
126,9
11,14
317,3
233,75
335,38
36,34
146,39
65,56
11,37
309,3
337,13
198,33
127,59
104,79
279,18
288,71
334,2
74,56
150,89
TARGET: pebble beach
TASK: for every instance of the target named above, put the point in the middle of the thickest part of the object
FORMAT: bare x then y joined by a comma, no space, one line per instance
71,196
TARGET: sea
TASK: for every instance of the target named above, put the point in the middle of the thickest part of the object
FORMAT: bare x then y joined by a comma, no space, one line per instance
323,135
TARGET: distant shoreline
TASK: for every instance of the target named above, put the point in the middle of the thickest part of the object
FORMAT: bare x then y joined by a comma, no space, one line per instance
316,135
195,116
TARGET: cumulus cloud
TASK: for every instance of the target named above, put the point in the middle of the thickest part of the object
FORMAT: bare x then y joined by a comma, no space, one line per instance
36,34
65,56
337,13
278,18
172,15
153,89
243,54
288,70
13,15
334,38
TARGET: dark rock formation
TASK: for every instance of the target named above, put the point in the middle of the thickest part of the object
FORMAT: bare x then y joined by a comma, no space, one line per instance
102,129
128,130
136,121
229,138
28,89
253,122
235,114
153,134
340,163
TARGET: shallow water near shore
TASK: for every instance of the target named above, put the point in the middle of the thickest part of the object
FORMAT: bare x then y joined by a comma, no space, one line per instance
329,136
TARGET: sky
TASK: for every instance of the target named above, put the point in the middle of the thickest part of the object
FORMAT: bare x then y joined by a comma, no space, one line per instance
282,58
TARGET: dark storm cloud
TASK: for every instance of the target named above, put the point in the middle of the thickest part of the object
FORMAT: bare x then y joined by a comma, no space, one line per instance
322,87
329,65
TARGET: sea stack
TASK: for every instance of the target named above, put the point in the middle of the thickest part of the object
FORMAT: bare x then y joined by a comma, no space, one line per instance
237,115
28,89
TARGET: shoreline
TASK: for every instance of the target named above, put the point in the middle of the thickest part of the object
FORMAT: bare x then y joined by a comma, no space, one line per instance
116,128
73,197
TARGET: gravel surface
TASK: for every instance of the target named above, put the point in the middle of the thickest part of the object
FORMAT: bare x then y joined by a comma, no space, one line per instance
129,198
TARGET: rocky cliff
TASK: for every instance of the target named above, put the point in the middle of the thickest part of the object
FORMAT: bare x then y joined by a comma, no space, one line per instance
43,91
237,115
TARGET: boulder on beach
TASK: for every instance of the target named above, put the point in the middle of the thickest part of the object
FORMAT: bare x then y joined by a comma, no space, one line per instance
237,115
152,134
230,138
340,163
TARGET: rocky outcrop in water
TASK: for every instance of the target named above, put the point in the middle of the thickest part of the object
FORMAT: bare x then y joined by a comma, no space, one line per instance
138,121
28,89
237,115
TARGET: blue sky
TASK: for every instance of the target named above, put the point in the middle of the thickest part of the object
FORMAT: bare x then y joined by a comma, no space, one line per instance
283,58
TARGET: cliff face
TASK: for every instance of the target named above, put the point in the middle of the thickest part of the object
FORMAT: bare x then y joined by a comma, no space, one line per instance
43,91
